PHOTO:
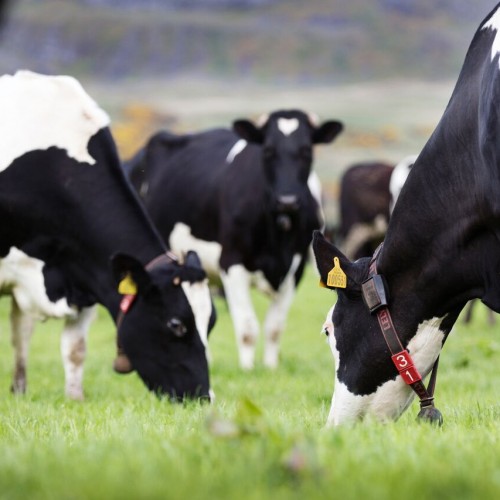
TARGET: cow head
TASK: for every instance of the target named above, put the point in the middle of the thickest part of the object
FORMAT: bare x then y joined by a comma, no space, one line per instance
163,331
287,139
367,382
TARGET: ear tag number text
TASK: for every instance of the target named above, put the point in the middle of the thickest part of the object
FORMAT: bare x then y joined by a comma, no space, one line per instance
336,277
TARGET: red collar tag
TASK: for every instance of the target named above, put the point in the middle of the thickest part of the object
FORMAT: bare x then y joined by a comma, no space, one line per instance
406,368
126,302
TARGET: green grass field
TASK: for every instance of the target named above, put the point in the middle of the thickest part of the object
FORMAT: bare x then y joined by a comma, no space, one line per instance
263,437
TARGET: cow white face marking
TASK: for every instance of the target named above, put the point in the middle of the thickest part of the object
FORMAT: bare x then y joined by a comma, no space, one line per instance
198,295
494,24
22,276
238,147
288,125
392,398
181,241
47,111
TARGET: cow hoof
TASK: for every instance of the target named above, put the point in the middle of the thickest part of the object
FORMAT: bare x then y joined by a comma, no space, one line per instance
122,364
75,395
18,388
431,415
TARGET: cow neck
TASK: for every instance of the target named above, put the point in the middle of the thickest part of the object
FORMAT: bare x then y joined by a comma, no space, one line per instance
375,298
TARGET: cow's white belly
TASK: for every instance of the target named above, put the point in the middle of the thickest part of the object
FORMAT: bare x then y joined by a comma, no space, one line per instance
22,276
181,241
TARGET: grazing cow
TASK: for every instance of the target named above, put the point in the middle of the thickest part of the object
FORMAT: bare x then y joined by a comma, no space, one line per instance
241,198
71,221
441,250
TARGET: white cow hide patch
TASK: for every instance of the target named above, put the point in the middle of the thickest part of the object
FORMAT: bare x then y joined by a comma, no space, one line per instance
494,24
198,295
40,111
22,276
181,241
237,148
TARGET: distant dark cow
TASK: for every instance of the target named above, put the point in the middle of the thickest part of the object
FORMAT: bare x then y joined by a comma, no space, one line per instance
241,198
364,207
368,192
67,209
442,249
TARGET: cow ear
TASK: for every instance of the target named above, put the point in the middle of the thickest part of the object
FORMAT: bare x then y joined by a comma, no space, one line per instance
169,140
192,269
335,269
326,132
192,259
248,131
129,274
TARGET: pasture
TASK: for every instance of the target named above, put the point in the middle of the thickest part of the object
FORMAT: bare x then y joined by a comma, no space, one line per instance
263,437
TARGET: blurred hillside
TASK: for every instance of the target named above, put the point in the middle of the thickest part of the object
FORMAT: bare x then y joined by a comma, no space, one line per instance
298,41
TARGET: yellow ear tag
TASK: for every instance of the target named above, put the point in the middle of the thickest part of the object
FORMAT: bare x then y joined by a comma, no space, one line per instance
336,277
127,286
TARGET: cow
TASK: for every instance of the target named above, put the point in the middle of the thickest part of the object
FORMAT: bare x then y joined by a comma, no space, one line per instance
241,198
364,207
74,234
441,250
368,192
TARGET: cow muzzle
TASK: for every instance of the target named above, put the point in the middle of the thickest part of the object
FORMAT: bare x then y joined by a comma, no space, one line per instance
288,203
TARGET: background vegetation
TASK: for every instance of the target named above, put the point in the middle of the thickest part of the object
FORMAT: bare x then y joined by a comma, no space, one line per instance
267,40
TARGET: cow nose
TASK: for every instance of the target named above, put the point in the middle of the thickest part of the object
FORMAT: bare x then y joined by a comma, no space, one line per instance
288,203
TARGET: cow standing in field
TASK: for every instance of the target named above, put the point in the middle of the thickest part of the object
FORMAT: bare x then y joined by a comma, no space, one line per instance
75,234
395,310
368,192
241,198
364,207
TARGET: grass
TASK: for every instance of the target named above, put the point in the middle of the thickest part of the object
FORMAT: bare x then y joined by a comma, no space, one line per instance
263,437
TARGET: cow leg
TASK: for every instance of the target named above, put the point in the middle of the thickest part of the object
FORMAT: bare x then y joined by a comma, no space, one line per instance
22,326
73,350
236,284
275,321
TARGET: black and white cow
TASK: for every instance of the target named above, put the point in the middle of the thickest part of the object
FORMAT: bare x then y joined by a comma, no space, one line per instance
241,198
441,250
368,193
364,207
66,210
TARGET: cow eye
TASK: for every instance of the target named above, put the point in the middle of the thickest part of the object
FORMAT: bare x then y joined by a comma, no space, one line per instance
177,327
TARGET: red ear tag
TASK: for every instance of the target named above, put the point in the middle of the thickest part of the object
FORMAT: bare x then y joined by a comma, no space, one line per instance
126,302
